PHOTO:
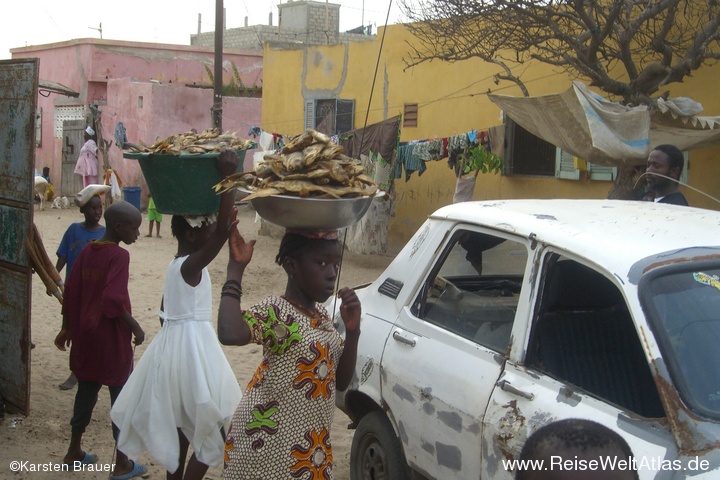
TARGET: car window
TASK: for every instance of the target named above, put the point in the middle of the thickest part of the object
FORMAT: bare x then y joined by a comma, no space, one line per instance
473,289
583,335
683,305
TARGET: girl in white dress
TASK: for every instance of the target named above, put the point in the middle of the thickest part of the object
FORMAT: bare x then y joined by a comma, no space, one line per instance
183,391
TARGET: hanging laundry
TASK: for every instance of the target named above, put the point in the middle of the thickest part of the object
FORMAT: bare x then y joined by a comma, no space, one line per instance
113,179
407,160
266,142
457,145
278,141
429,150
120,135
496,136
458,142
379,169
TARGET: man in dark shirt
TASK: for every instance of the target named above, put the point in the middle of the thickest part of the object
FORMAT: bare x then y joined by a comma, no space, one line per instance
665,160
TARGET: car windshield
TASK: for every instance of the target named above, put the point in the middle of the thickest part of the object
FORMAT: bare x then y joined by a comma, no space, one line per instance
685,305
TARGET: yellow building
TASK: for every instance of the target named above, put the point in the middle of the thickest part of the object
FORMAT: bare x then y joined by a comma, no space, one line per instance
451,99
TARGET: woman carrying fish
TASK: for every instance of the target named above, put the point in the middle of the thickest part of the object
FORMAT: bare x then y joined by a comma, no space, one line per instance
281,428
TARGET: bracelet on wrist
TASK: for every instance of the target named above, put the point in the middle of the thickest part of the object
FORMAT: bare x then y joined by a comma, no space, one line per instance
232,286
230,294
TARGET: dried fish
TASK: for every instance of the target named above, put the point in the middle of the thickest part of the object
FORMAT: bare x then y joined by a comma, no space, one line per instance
308,166
210,140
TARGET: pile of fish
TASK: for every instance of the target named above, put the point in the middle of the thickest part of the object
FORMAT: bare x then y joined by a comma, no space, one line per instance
307,166
210,140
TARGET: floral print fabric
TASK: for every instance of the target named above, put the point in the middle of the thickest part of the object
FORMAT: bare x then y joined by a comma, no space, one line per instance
280,429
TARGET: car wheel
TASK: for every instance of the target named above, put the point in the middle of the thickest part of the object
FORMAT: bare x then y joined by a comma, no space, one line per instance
376,453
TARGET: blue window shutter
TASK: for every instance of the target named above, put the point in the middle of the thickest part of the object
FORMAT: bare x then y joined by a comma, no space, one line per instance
602,172
565,166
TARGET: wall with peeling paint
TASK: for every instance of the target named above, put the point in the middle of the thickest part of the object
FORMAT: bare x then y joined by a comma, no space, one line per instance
112,75
165,110
452,100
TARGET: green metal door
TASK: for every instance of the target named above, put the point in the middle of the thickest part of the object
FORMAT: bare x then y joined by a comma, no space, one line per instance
18,100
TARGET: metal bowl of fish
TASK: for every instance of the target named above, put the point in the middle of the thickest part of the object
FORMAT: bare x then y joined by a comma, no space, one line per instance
311,213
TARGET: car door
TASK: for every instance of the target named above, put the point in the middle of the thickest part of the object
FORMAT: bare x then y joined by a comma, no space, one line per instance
583,359
448,347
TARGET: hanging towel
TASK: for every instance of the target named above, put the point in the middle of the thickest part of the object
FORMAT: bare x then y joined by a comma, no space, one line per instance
113,179
266,142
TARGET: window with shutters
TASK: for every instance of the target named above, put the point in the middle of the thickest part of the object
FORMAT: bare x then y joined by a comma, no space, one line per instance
526,154
569,167
410,115
330,116
565,165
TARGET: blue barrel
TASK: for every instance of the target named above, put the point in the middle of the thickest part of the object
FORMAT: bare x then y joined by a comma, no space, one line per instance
132,195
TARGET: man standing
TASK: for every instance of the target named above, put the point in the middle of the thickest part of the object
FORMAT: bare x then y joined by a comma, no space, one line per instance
665,160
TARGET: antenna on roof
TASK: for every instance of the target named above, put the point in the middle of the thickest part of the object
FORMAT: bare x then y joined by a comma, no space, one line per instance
99,29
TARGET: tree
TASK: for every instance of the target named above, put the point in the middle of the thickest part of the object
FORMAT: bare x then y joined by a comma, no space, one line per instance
630,49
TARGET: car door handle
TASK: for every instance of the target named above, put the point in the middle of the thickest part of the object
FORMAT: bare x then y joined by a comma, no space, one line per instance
508,387
400,338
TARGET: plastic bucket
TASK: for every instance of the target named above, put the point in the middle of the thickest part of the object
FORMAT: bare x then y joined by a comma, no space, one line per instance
132,195
182,184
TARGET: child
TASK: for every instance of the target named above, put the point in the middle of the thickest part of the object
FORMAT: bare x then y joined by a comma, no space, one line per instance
281,427
183,390
77,236
153,217
98,321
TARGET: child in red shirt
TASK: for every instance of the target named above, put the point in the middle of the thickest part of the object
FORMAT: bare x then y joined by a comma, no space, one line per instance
98,322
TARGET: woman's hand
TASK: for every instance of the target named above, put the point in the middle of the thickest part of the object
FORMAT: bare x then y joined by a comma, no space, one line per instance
241,252
350,310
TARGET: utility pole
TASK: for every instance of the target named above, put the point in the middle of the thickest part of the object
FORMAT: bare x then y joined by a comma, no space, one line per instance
216,110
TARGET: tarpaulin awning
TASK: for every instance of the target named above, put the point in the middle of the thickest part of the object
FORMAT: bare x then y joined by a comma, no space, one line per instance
603,132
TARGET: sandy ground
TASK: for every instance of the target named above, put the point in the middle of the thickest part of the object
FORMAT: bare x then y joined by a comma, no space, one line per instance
42,438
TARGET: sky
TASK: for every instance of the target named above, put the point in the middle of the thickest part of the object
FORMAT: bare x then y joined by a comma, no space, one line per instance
37,22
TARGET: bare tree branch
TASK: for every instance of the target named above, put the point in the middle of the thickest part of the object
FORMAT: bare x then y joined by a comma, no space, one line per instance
628,48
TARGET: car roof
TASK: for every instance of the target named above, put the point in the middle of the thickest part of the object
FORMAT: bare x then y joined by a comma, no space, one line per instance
611,233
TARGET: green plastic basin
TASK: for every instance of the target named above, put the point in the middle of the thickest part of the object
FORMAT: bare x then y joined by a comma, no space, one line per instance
182,184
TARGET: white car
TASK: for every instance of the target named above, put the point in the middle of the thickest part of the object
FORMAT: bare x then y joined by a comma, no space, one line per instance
499,317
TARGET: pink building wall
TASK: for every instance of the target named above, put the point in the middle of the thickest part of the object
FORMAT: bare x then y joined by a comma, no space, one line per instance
112,75
166,110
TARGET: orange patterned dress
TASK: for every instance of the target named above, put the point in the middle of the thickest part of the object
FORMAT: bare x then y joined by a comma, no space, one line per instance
281,428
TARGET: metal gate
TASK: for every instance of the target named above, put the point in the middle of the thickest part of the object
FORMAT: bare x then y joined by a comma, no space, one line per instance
73,139
18,100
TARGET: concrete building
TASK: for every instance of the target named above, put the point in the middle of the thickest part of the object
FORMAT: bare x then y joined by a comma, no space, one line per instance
439,100
148,90
299,22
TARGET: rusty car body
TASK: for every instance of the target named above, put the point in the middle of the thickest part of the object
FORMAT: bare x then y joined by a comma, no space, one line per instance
499,317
